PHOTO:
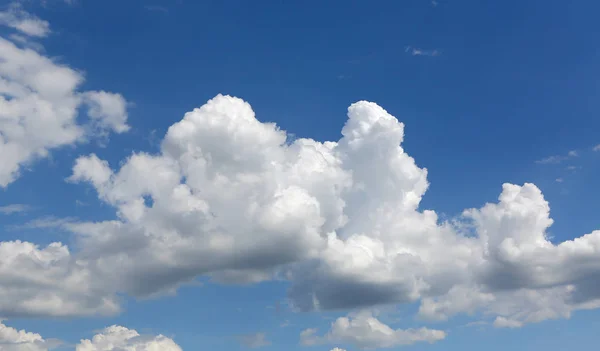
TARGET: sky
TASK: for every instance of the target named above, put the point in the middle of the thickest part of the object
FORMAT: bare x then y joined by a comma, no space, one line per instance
339,176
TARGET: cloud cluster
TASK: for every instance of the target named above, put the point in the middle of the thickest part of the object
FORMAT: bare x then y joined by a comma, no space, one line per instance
367,332
48,281
12,339
241,201
113,338
230,197
40,107
117,338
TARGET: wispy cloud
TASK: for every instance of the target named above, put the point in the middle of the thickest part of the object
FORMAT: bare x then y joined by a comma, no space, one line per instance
14,208
421,52
254,340
559,180
434,3
45,223
26,23
556,159
596,148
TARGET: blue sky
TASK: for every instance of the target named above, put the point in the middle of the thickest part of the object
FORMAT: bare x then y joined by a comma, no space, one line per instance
489,93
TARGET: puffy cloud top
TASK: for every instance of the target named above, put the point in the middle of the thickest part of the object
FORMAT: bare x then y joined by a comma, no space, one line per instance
230,197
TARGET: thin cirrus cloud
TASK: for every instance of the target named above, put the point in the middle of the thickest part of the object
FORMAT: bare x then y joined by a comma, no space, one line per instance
596,148
556,159
14,208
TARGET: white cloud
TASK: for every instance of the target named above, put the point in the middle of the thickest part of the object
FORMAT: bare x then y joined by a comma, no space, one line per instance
109,110
12,339
596,148
230,197
48,282
15,17
367,332
559,180
233,198
14,208
255,340
421,52
117,338
39,108
113,338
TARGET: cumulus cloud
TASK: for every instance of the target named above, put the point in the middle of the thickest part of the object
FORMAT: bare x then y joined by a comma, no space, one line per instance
231,197
47,281
117,338
12,339
367,332
113,338
26,23
39,108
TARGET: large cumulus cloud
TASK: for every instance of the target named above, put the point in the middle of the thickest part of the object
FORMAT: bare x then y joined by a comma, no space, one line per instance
231,197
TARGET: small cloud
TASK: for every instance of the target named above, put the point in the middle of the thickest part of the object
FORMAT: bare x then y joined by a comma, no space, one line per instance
551,160
596,148
26,23
434,3
156,8
254,341
15,208
573,153
285,324
559,180
421,52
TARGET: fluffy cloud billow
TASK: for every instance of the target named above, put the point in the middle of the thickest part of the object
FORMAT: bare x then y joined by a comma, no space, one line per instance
229,197
41,108
113,338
